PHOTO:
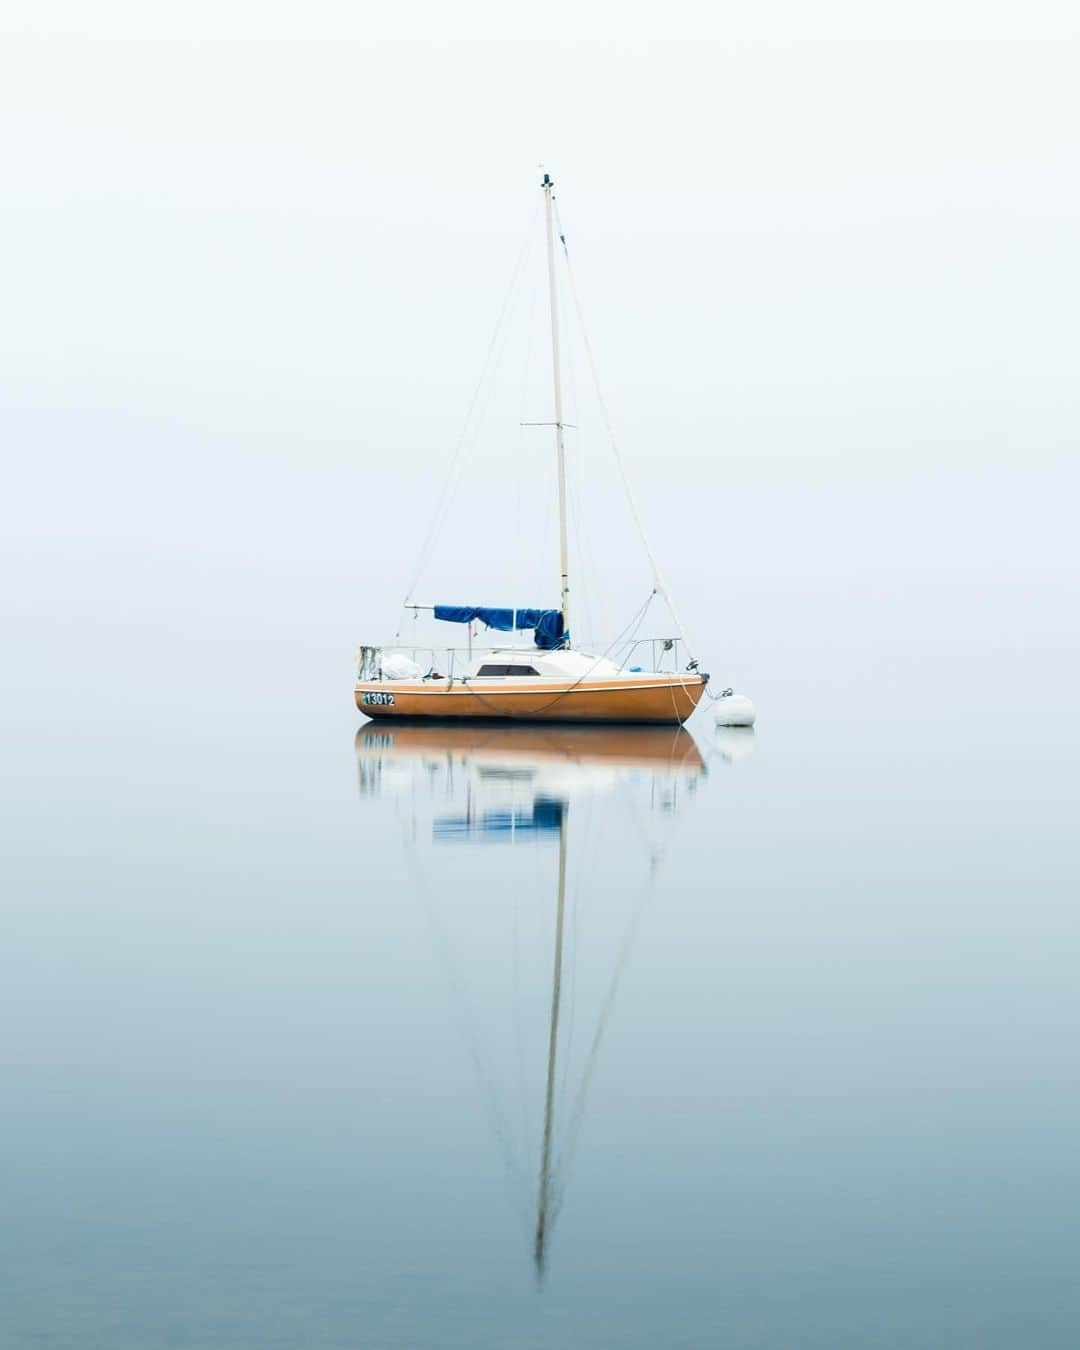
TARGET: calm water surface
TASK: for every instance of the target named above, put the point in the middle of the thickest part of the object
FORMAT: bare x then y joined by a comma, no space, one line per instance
330,1034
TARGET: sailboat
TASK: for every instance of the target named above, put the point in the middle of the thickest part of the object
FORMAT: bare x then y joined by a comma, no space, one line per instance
551,682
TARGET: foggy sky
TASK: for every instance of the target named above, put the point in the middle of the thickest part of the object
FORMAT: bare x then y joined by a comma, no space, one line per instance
251,264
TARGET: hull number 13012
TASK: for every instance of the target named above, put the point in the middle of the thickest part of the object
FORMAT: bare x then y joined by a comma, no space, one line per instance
376,699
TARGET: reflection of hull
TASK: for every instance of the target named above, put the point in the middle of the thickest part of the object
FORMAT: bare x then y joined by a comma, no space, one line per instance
663,699
625,746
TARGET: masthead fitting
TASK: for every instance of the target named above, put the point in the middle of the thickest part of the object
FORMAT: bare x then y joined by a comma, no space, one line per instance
547,181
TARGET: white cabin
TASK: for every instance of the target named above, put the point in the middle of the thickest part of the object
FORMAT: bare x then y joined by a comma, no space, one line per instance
533,663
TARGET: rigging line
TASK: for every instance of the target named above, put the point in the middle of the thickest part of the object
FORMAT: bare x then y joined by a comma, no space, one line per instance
637,629
589,574
471,427
586,884
471,437
518,1030
584,587
631,500
521,552
563,1163
566,1154
497,1119
455,457
583,574
657,857
600,611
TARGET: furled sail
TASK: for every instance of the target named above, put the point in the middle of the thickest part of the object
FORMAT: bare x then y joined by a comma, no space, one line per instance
547,623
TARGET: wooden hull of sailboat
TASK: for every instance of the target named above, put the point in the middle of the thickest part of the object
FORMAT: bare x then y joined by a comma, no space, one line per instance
659,700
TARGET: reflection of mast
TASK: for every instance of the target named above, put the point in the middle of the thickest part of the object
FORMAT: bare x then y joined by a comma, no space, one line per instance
517,783
543,1205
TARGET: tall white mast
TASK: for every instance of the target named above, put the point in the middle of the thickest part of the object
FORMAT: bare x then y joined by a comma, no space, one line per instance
560,451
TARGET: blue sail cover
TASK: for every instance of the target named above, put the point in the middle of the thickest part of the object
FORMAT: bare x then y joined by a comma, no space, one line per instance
547,623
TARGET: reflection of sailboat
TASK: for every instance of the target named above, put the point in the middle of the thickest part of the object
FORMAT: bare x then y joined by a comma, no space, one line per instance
519,785
506,768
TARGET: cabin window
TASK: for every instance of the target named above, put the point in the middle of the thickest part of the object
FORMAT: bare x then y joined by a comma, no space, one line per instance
507,670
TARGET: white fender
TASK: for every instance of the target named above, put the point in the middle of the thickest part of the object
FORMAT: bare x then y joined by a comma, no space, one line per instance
397,667
734,710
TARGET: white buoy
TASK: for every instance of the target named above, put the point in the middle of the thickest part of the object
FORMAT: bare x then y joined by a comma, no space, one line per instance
734,710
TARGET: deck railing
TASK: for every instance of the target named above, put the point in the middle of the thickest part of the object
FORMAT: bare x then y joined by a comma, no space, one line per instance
662,654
